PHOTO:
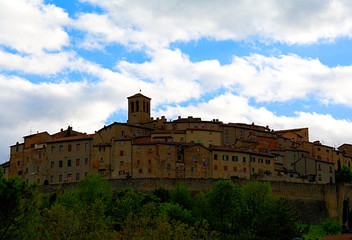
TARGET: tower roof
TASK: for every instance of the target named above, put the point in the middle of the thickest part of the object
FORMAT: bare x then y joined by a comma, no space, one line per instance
138,95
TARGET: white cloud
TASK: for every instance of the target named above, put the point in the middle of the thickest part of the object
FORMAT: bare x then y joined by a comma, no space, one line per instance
266,79
156,24
31,26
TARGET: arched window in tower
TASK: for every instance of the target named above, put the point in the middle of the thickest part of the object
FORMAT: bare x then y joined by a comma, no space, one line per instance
143,106
132,106
137,106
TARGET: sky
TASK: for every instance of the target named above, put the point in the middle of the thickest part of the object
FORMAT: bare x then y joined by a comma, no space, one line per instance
285,64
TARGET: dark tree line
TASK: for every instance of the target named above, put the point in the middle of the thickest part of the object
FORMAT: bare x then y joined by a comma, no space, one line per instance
94,211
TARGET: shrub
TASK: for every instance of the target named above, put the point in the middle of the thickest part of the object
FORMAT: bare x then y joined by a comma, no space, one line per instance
332,226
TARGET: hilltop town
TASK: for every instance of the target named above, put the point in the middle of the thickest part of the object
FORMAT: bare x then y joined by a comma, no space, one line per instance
145,147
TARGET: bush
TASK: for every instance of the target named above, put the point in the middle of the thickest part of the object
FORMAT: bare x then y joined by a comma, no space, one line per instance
332,226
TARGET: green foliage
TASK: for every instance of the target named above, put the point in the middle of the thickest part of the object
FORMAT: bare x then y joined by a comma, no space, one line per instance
271,218
228,208
19,205
343,175
182,196
162,193
267,172
332,226
93,211
174,211
94,188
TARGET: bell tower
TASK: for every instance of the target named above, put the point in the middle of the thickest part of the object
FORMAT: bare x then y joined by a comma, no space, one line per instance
138,109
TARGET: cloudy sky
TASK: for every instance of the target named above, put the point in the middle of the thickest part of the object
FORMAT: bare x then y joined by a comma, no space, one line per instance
285,64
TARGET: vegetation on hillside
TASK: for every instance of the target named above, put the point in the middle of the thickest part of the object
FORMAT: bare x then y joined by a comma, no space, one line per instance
94,211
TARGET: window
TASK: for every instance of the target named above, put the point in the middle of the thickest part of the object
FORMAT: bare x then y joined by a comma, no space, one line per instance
60,164
252,159
122,133
38,180
330,169
215,156
138,133
77,162
40,155
319,177
260,160
121,163
225,168
19,173
78,147
77,176
215,167
138,162
101,149
225,157
253,170
60,178
149,161
69,147
87,146
121,153
149,170
226,131
132,106
319,166
69,176
38,169
85,174
86,161
61,148
226,140
244,159
121,143
138,150
101,163
137,106
235,158
168,146
192,169
235,169
52,164
195,159
143,106
53,149
244,169
168,165
52,178
150,150
18,163
140,170
69,163
318,149
267,161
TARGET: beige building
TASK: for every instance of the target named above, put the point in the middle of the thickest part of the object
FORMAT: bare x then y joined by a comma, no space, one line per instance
145,147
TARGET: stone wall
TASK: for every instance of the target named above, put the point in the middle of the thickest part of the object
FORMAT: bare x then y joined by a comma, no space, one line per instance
312,202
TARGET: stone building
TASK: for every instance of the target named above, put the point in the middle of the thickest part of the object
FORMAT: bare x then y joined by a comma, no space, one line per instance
145,147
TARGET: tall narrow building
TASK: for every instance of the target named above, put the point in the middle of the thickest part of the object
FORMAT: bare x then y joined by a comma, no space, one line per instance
138,109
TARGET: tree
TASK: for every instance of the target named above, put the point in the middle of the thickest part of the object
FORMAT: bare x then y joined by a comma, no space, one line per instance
228,208
343,175
271,217
18,208
182,196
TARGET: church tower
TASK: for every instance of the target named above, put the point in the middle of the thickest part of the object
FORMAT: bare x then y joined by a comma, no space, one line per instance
138,109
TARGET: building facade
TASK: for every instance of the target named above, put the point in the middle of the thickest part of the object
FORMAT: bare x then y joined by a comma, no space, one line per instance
145,147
